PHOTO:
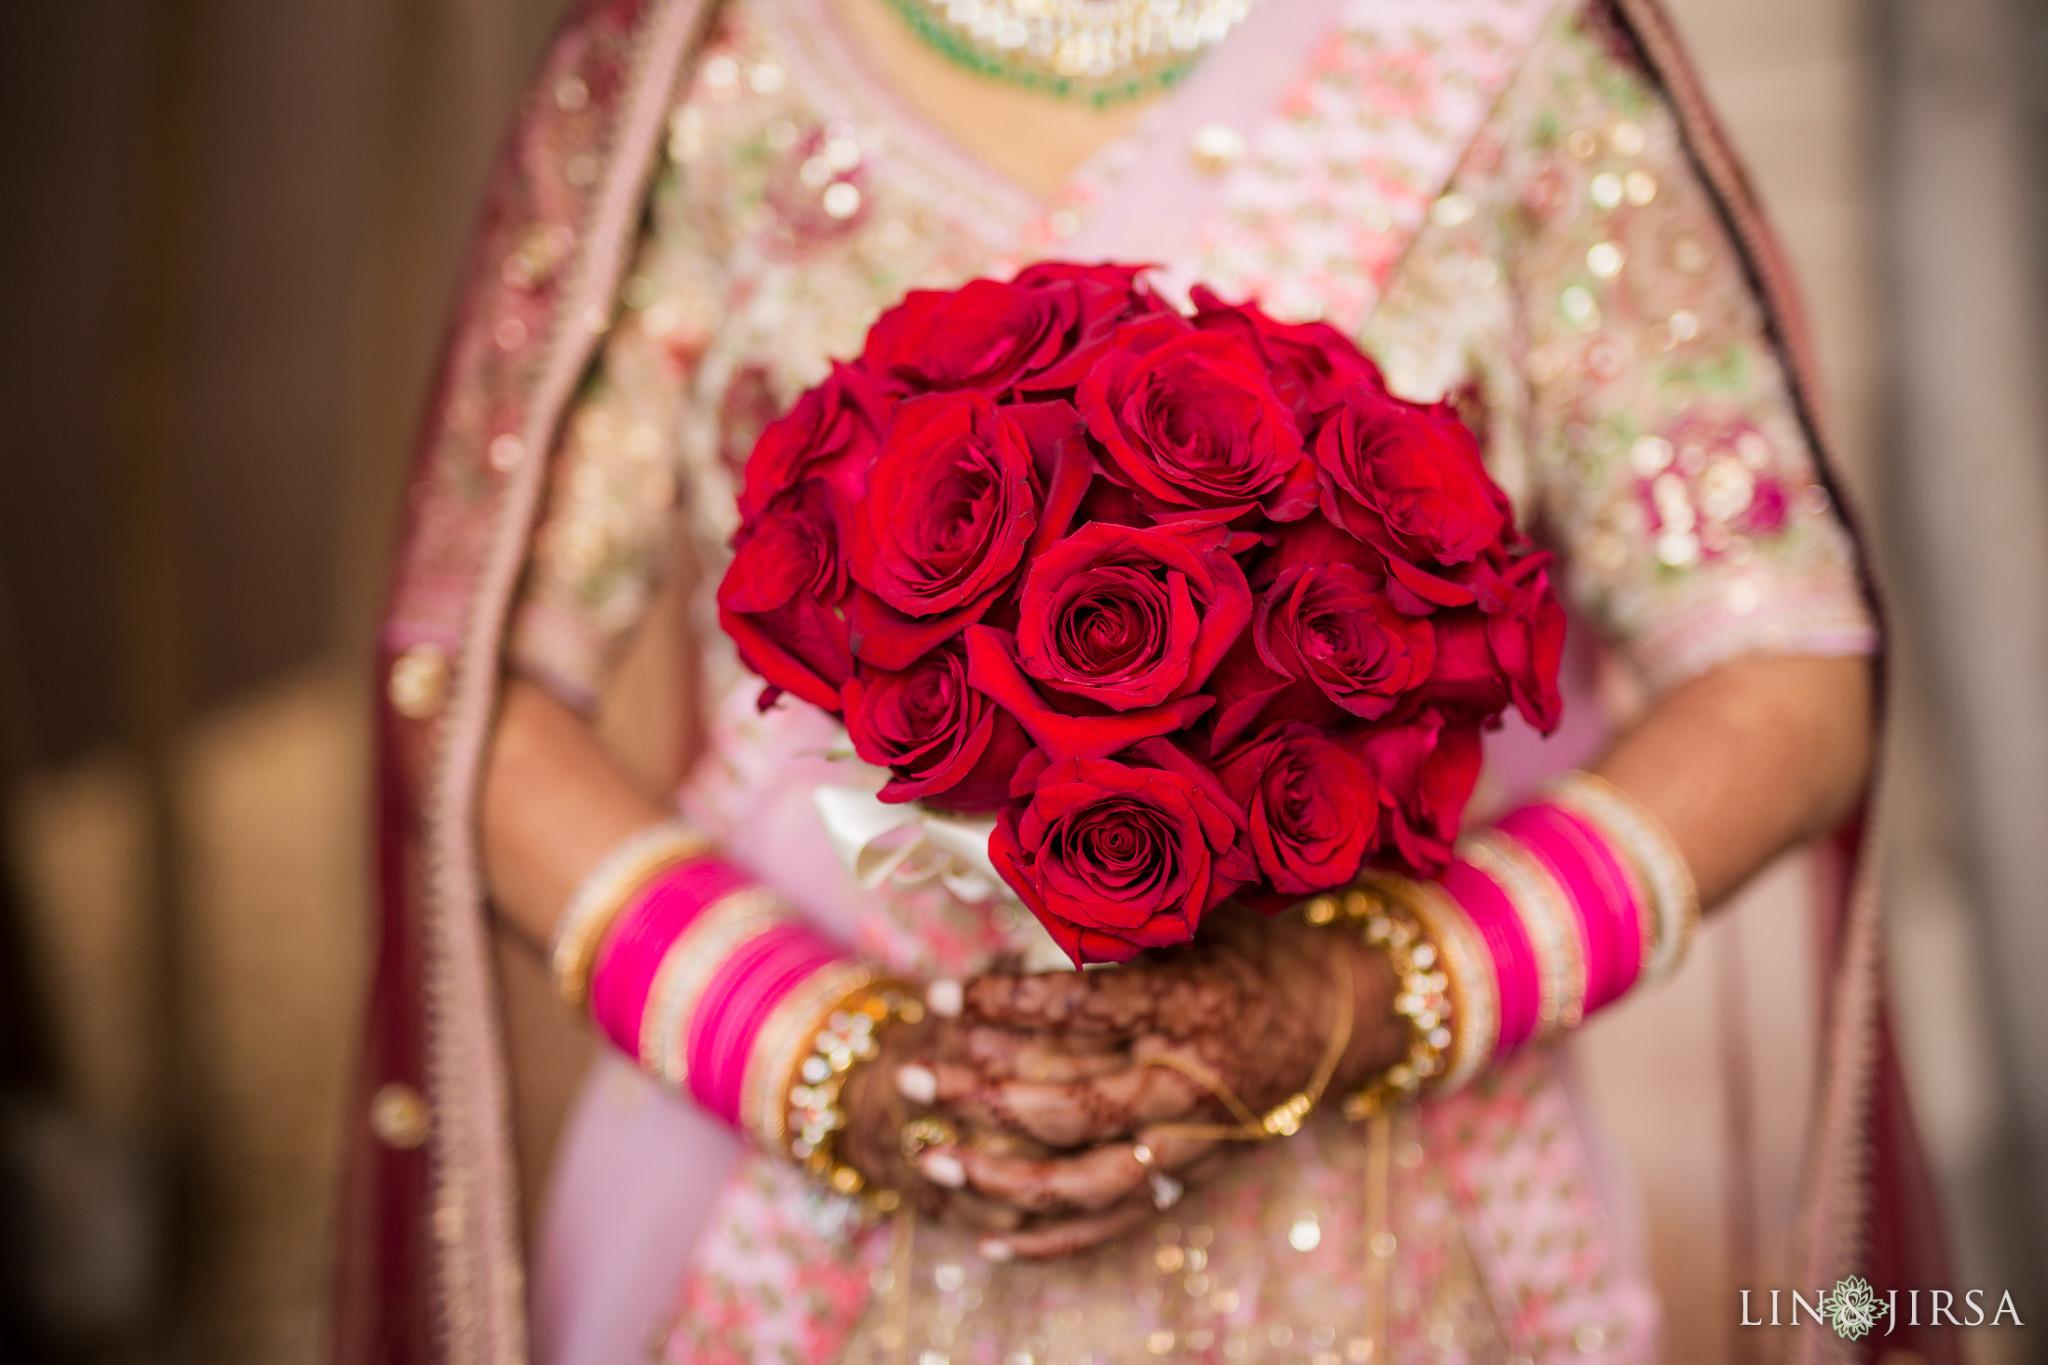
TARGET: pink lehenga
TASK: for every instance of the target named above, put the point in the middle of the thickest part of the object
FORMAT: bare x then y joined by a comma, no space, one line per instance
1519,204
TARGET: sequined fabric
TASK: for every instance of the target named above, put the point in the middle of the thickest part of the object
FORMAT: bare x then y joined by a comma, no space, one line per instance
1572,288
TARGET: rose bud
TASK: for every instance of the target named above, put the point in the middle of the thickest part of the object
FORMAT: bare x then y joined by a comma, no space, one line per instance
1485,659
781,595
1129,617
1114,857
944,743
1311,807
1426,768
1528,642
1193,426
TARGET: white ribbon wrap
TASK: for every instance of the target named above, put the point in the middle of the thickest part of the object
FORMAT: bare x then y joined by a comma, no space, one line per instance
906,845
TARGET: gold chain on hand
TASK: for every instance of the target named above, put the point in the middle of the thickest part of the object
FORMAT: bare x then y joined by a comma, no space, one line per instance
1285,1118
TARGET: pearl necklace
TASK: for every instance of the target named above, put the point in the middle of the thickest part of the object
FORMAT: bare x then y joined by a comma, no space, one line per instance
1102,51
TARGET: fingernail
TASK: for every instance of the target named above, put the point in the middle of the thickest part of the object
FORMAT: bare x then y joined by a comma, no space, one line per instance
943,1169
995,1249
945,997
917,1084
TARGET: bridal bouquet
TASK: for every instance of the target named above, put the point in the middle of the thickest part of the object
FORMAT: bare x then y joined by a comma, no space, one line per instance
1189,602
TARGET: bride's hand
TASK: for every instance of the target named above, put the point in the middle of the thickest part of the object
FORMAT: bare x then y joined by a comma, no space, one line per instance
879,1113
1090,1071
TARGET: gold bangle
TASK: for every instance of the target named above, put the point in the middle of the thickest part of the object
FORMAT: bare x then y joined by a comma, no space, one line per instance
605,892
811,1120
1422,998
1557,938
1473,988
792,1031
1672,902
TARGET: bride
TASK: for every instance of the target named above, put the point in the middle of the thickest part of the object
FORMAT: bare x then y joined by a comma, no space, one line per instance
1522,206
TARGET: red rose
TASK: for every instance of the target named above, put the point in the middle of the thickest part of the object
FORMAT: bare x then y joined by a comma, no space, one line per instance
1106,297
1194,425
992,666
831,434
1425,770
1528,642
1311,807
1128,616
1108,292
946,743
1508,648
1312,364
962,492
1409,480
1118,856
1465,680
985,336
1330,626
952,502
780,597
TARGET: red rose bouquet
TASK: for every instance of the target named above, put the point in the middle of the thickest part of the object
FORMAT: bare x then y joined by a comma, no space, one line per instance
1189,602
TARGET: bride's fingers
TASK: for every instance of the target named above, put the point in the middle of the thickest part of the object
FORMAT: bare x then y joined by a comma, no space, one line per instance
966,1209
943,1084
1005,1054
1068,1236
1082,1113
1094,1180
1120,1002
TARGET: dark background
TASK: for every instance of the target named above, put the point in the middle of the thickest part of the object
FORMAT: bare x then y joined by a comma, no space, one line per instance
230,235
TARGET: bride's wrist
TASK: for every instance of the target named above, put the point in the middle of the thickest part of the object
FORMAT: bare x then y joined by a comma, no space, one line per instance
1379,1036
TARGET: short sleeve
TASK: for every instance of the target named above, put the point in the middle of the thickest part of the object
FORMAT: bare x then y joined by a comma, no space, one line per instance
1664,456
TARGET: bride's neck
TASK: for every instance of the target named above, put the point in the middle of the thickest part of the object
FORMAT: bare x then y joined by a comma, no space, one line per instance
1031,137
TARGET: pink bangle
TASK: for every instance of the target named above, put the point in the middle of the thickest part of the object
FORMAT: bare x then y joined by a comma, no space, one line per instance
632,952
1487,905
738,1001
1598,888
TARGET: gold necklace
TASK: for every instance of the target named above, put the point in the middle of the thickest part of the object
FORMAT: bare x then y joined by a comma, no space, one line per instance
1102,51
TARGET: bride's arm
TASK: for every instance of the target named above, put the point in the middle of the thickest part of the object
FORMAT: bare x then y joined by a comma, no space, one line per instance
1748,760
554,804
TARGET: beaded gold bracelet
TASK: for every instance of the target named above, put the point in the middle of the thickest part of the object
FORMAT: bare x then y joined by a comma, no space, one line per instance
1423,997
844,1039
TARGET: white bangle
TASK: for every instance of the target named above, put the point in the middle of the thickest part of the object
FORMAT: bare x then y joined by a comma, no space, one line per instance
604,893
1644,843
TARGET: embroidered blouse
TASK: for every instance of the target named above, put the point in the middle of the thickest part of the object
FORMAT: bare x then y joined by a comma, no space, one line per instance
1572,289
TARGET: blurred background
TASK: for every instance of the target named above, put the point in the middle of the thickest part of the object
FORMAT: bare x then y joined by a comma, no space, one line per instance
235,229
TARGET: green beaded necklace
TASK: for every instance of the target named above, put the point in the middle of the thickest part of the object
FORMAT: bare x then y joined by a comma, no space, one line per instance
1101,51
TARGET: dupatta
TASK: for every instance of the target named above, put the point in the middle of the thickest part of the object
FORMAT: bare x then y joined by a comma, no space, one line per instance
430,1264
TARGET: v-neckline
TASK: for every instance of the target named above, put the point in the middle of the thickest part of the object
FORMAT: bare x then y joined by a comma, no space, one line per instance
845,61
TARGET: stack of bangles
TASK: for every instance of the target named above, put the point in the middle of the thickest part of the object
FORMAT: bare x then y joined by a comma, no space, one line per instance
701,974
716,989
1562,907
